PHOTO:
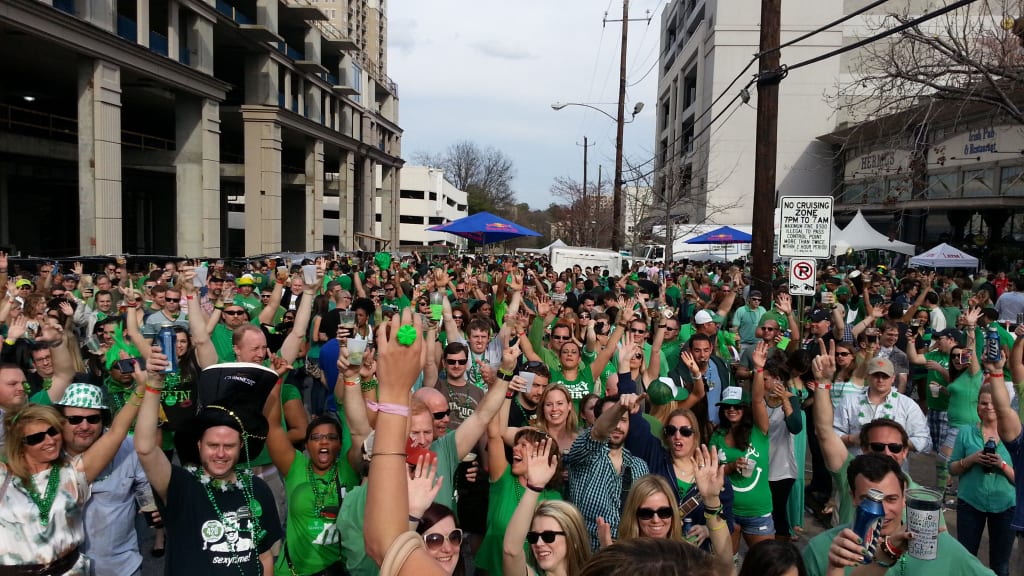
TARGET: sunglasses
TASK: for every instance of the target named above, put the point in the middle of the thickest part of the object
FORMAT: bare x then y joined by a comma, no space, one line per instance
453,362
532,365
233,312
638,356
561,338
843,354
893,447
264,296
648,513
638,331
459,317
91,419
548,536
173,299
684,431
435,541
38,437
768,329
441,415
318,437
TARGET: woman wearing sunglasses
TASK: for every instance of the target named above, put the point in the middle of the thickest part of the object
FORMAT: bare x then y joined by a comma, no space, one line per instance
442,538
558,543
42,491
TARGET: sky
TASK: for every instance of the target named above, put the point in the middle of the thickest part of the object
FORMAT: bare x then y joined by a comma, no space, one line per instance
488,71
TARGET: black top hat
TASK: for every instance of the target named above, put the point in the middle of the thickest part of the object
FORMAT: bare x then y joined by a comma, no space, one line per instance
233,395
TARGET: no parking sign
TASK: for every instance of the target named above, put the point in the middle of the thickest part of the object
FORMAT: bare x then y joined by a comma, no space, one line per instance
802,272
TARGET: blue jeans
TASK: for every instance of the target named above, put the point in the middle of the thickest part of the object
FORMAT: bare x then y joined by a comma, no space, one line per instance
970,522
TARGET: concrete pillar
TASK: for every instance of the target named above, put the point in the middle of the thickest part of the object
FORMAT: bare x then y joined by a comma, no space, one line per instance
368,198
387,204
300,95
346,201
142,22
197,170
200,43
287,89
100,13
262,185
173,26
99,157
266,14
314,197
312,103
5,211
261,81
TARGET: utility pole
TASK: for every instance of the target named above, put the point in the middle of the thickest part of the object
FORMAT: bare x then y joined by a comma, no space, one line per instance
766,147
619,123
586,206
599,195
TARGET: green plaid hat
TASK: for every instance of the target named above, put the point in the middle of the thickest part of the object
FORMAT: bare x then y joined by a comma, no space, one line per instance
81,395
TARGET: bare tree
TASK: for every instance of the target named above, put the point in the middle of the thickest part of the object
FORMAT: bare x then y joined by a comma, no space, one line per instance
485,174
965,55
585,218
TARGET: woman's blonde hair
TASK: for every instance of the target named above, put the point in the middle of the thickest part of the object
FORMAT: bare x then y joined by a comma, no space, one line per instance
571,420
14,427
642,489
577,539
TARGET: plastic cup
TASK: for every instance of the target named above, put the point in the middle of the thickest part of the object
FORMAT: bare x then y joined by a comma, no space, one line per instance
748,470
356,348
528,377
199,280
92,343
436,305
924,509
348,320
935,389
309,274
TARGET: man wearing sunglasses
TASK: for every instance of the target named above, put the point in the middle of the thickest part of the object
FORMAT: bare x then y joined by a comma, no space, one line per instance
460,398
110,540
882,435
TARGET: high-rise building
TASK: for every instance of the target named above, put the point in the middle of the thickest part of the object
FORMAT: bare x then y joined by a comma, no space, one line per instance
196,127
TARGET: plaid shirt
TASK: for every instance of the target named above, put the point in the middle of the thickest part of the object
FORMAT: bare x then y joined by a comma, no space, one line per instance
594,485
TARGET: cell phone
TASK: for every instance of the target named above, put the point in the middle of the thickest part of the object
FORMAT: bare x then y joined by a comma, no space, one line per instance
126,366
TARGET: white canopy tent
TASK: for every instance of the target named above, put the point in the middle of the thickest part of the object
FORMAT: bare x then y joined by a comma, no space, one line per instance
859,235
944,256
546,250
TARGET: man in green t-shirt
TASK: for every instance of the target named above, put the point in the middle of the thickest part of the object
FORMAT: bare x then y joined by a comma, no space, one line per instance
937,362
840,547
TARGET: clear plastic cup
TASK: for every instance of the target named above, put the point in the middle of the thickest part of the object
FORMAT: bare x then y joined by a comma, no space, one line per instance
356,347
528,377
348,320
309,274
436,305
935,389
92,343
748,470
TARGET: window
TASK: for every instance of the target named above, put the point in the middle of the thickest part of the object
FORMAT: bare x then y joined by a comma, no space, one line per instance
406,219
942,186
899,189
1012,181
378,218
332,214
979,183
413,194
852,194
435,220
433,195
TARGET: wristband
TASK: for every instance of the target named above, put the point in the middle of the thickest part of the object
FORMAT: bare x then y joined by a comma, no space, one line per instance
190,297
402,454
533,488
9,342
506,376
368,385
414,519
154,390
509,394
383,408
139,393
218,306
759,370
719,527
351,382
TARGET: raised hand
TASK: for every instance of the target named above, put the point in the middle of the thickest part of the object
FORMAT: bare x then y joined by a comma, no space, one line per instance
709,476
690,362
972,316
398,365
65,308
784,303
760,354
423,486
541,463
626,352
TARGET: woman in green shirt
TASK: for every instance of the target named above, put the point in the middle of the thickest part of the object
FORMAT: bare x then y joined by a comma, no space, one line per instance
986,491
742,434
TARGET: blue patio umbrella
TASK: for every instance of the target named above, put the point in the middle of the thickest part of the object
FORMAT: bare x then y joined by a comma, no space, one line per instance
484,228
723,235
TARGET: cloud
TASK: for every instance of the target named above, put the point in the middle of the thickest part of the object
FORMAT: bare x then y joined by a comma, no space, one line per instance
501,50
402,35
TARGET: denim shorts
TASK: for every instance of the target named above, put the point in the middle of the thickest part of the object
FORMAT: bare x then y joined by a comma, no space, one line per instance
756,525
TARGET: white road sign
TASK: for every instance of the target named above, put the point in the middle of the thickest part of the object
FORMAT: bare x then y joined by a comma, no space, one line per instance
802,273
805,226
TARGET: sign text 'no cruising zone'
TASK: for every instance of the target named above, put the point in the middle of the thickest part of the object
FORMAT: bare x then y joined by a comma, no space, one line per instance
806,226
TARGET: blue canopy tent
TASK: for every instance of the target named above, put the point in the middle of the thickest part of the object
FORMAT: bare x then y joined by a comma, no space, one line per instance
484,228
722,236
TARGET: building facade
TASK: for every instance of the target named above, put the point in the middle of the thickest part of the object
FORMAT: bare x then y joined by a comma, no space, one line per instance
428,199
193,127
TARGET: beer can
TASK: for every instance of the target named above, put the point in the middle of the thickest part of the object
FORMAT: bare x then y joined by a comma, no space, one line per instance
168,343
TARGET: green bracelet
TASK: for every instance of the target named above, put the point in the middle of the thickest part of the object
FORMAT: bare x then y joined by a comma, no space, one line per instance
368,385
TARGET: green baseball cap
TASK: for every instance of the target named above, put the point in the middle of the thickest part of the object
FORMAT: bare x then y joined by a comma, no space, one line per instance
733,396
664,390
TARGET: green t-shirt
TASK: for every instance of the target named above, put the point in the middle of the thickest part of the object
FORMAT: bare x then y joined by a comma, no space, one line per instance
963,398
953,558
251,303
288,393
941,402
312,538
846,510
753,497
990,493
221,337
579,387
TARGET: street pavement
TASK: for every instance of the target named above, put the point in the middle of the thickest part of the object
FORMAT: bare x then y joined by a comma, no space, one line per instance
922,469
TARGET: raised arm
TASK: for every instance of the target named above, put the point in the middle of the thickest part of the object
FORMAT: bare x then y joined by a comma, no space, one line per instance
293,342
653,369
605,356
542,464
972,316
147,436
1007,421
832,448
350,397
496,462
279,446
270,310
131,325
758,407
63,364
472,428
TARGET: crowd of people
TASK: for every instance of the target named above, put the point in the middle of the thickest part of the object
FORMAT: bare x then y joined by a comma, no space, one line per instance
490,415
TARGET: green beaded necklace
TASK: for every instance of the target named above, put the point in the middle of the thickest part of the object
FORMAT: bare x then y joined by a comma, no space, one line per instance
243,481
319,498
45,503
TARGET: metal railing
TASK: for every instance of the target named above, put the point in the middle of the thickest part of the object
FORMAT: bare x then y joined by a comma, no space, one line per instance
54,126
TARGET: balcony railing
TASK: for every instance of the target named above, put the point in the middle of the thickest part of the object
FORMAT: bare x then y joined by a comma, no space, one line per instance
55,127
233,13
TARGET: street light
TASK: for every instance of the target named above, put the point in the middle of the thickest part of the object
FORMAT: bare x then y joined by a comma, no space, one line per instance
619,121
636,109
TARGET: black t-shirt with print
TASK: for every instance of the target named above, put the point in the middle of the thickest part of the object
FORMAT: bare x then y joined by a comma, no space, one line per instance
198,542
